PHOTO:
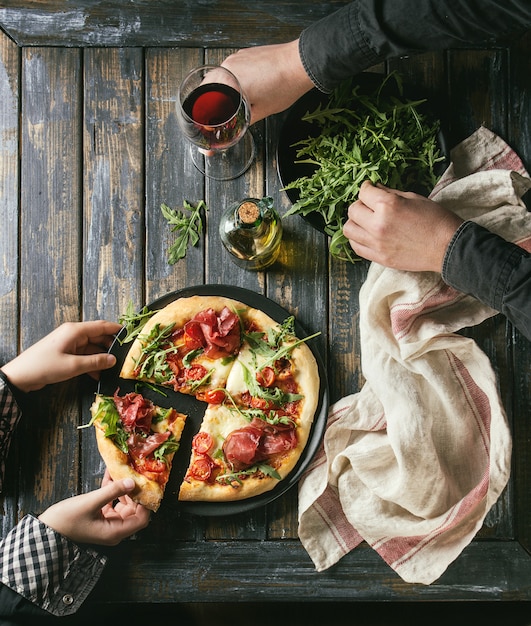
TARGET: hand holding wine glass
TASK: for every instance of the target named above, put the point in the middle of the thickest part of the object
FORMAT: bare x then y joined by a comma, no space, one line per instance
214,115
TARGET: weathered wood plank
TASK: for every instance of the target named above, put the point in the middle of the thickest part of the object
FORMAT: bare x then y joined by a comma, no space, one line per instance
477,91
9,236
302,291
519,129
113,184
519,113
113,199
478,96
171,177
49,261
274,571
221,270
9,190
50,190
219,195
469,74
216,23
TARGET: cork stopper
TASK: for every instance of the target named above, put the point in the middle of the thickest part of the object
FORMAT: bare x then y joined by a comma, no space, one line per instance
248,212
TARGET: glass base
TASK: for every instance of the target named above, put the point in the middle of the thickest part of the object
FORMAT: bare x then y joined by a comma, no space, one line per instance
226,164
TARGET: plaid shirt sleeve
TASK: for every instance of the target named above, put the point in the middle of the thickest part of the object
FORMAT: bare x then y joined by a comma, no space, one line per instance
9,417
36,562
46,568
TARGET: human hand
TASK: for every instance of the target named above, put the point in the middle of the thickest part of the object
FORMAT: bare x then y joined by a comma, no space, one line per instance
401,230
272,77
93,518
71,349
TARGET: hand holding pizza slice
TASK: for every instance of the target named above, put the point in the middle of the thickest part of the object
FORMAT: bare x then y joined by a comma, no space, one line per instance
137,440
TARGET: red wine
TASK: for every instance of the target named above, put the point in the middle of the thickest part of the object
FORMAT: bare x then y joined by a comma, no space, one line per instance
212,104
219,120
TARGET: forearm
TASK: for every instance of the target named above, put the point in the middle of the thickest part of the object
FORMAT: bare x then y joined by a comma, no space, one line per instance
367,32
47,569
496,272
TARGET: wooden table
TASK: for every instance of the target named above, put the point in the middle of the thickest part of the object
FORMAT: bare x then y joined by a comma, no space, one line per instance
90,148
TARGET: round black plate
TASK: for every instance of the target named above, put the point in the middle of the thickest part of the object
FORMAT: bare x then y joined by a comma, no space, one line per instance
295,129
194,409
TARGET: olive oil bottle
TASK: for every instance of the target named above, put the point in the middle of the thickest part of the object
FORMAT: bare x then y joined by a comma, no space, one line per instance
251,230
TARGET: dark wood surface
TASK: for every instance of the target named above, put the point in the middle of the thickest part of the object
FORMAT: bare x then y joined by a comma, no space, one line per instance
159,23
89,150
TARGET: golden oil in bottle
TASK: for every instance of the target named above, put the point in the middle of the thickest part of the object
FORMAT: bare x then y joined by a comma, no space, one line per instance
251,230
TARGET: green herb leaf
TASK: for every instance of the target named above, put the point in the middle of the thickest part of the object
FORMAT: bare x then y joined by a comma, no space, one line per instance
195,384
188,225
110,418
190,356
155,347
139,386
279,341
134,322
169,446
270,394
237,477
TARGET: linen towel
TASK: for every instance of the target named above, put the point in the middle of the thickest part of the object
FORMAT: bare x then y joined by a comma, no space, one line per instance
414,461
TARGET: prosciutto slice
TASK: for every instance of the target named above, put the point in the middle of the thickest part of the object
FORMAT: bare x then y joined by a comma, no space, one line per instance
257,442
219,335
136,412
141,447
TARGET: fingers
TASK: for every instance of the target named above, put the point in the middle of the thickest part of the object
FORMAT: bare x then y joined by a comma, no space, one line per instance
111,491
98,330
378,196
393,227
121,520
93,364
96,334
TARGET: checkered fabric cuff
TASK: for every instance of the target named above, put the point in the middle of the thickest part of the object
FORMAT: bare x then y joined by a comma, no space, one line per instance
9,416
46,568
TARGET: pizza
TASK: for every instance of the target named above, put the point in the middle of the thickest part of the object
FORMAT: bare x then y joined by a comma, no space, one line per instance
137,439
259,384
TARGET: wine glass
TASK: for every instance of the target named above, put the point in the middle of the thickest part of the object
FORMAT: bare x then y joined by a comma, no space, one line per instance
214,115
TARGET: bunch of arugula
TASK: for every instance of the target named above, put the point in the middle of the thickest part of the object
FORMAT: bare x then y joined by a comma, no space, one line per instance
188,224
378,137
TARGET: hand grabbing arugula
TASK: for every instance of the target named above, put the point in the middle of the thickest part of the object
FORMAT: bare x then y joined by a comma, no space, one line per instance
381,137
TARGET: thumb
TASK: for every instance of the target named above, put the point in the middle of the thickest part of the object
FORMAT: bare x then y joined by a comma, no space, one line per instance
111,491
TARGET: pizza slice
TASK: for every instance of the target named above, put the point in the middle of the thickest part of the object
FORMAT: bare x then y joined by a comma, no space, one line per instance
255,435
237,454
189,345
137,439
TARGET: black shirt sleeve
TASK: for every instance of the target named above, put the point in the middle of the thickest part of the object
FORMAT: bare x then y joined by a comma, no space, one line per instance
366,32
496,272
